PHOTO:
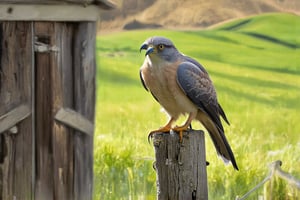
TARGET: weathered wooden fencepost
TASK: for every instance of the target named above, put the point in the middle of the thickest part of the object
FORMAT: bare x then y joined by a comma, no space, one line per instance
181,167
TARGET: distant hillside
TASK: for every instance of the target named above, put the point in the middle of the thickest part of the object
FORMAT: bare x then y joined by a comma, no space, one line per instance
189,13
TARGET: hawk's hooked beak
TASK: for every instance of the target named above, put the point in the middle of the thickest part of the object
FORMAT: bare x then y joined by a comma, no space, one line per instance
149,49
144,46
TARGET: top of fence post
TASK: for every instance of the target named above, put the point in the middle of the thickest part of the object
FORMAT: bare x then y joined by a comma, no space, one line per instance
181,166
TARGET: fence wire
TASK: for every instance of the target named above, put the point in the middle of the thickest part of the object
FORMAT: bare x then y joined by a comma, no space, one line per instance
275,170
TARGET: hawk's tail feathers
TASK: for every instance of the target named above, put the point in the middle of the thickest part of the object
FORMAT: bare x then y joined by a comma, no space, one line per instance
218,138
222,113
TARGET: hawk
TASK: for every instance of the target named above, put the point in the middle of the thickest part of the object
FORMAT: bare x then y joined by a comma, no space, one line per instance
182,86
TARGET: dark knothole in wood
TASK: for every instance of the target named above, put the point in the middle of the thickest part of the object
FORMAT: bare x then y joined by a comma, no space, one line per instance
9,10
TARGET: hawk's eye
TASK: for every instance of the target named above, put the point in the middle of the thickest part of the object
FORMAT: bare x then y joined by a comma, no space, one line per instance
161,47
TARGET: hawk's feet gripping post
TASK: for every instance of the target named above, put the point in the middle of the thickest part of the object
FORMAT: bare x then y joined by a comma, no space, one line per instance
166,129
163,129
180,130
185,127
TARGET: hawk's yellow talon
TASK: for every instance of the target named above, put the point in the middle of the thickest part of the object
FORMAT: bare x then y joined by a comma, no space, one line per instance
180,130
164,129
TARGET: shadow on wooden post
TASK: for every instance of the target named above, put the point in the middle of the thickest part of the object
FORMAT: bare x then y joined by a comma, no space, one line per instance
181,167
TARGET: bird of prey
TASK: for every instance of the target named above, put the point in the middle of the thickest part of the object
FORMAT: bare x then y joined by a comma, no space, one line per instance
182,87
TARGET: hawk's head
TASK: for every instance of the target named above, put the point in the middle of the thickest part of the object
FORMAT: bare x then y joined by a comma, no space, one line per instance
160,48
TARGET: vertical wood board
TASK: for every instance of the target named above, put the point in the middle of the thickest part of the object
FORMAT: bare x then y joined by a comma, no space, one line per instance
85,70
54,90
15,89
44,183
62,87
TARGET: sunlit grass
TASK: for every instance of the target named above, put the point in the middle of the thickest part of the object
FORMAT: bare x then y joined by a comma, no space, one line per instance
258,85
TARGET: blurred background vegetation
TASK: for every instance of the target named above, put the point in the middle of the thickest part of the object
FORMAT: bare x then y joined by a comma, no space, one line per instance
254,63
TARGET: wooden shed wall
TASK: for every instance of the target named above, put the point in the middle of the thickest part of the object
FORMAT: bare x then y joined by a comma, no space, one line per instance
46,158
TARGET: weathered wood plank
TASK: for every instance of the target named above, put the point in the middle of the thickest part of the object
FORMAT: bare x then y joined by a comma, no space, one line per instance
13,117
54,174
181,167
104,4
85,70
63,96
44,183
75,120
27,12
15,89
48,1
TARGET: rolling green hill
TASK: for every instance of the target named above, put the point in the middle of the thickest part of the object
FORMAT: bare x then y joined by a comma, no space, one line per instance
255,66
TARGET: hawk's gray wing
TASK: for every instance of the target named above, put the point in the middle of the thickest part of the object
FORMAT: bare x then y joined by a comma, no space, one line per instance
202,69
199,89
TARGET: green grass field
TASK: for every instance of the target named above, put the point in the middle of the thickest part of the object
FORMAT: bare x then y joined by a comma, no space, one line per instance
255,66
